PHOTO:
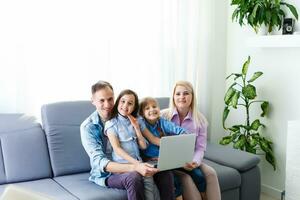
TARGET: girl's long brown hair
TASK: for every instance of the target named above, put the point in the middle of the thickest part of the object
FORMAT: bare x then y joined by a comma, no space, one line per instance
136,103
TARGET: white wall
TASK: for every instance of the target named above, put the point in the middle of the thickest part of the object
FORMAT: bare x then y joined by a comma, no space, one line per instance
279,84
215,69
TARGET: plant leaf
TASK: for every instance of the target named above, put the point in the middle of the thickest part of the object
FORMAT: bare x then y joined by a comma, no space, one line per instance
292,9
263,143
240,144
253,14
269,143
245,66
235,99
249,91
253,141
235,2
265,108
235,14
255,76
229,94
226,140
225,115
250,149
255,125
235,135
237,76
234,74
236,128
271,159
268,17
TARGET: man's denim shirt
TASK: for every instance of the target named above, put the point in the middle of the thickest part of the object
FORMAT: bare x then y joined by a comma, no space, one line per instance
94,142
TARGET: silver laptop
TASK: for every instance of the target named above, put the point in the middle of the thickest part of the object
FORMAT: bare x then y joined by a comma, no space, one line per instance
175,151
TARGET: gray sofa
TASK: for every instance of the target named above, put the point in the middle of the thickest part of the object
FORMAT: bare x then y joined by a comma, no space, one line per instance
51,159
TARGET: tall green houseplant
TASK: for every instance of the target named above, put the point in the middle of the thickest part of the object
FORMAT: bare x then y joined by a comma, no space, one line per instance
246,136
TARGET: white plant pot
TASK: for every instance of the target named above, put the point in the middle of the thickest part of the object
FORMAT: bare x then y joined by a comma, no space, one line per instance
263,30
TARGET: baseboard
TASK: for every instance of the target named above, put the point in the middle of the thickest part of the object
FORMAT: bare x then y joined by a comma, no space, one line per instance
274,192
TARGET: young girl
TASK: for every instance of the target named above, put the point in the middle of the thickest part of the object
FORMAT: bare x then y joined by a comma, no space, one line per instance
159,127
125,134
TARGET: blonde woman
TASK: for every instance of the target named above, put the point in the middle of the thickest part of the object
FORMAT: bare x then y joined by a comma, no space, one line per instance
183,112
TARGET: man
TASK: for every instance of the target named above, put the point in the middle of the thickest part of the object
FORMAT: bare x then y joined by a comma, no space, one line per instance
125,176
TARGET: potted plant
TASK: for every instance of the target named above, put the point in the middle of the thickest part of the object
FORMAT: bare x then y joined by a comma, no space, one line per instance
246,135
261,12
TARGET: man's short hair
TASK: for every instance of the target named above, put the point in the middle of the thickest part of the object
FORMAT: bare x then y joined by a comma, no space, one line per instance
101,85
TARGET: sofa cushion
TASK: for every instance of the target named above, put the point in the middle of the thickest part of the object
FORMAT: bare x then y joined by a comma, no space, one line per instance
229,178
61,122
80,186
240,160
24,155
163,102
13,122
45,186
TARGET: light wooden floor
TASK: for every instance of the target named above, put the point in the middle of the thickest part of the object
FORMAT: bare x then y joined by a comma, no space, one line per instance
264,196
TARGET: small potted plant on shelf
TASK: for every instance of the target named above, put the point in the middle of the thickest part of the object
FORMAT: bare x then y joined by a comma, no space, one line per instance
246,135
258,13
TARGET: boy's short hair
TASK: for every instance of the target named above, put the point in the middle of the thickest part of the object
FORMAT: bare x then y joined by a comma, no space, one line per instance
144,102
100,85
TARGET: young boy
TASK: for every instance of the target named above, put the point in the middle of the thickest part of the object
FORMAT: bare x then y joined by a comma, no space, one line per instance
159,127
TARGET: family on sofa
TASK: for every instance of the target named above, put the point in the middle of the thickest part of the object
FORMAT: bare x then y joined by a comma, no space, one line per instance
120,122
49,158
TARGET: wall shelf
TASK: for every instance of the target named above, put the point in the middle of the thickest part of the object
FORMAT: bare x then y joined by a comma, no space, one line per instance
274,41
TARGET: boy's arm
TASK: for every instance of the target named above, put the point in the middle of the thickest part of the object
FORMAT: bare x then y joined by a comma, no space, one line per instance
171,127
153,139
115,143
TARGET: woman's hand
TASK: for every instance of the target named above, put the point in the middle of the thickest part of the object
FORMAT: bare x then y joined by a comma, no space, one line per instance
190,166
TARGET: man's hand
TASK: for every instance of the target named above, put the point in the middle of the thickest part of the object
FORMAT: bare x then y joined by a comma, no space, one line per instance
190,166
145,169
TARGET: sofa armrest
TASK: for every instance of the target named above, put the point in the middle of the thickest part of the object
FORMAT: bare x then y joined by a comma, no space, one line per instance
228,156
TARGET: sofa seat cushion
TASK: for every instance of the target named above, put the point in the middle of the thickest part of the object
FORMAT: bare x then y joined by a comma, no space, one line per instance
80,186
44,186
229,178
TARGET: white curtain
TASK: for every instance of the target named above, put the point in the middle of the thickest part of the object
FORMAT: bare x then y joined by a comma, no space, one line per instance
186,45
55,50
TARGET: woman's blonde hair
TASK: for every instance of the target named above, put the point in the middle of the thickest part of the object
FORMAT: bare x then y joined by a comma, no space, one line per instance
196,115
